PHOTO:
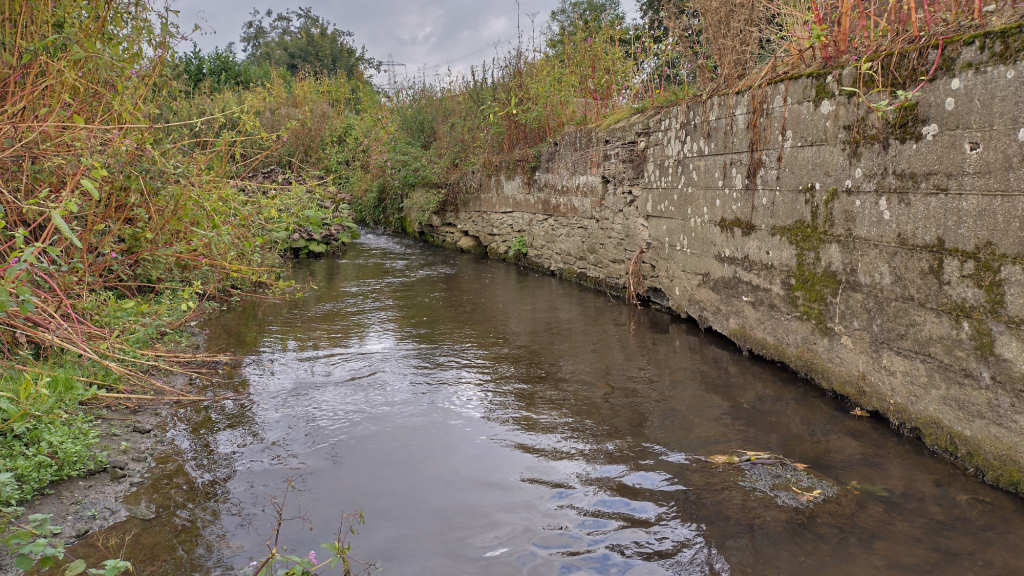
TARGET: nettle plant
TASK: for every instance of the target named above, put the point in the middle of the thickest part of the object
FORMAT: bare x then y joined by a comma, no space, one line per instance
303,225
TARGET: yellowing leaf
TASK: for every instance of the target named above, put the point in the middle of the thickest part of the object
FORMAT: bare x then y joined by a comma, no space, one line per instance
808,496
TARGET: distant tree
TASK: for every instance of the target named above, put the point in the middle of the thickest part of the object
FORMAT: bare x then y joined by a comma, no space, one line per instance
220,68
651,14
677,27
571,17
300,39
655,14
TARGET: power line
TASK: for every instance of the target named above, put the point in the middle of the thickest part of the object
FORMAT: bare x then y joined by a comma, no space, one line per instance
391,64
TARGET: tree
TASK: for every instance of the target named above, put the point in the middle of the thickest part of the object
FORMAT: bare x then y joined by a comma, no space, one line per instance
676,27
656,13
298,40
220,68
572,17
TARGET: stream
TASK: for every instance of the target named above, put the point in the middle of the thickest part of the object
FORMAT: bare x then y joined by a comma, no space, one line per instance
491,420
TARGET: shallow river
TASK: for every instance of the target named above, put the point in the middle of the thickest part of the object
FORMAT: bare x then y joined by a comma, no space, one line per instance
488,420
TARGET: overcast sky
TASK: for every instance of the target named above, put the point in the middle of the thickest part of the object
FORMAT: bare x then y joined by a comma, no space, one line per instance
418,33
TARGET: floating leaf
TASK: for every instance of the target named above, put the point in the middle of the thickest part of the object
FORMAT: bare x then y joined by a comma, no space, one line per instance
808,496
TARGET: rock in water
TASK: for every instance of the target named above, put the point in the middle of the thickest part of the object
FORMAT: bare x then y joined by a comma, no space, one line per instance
787,484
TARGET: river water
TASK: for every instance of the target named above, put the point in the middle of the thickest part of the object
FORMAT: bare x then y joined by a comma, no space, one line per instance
489,420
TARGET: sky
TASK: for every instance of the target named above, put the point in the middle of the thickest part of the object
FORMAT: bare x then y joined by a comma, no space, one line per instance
425,36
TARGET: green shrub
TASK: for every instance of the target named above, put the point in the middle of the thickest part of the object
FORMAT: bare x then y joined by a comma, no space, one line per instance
42,439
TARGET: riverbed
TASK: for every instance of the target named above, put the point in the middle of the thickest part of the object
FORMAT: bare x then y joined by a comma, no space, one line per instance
491,420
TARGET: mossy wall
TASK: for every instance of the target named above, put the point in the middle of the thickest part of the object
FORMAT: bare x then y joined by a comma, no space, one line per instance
878,252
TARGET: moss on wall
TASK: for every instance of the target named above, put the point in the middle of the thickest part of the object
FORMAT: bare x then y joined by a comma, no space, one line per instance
986,274
813,284
729,225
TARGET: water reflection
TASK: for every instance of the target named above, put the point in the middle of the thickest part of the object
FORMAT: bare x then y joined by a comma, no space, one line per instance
489,420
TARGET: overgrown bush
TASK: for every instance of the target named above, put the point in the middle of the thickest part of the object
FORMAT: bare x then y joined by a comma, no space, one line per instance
117,175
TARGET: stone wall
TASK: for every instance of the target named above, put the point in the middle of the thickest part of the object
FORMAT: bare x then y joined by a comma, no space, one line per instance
881,255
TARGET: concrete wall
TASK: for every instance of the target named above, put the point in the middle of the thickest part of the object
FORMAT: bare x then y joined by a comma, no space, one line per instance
881,256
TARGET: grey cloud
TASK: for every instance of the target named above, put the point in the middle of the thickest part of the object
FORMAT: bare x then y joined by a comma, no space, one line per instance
425,36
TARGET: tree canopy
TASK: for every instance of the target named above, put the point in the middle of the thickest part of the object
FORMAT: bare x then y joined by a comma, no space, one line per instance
573,16
299,40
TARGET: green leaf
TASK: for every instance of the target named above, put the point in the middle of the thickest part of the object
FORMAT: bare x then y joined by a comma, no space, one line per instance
24,563
90,187
75,568
65,230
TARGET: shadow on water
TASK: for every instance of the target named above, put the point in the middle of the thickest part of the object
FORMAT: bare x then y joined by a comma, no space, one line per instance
491,420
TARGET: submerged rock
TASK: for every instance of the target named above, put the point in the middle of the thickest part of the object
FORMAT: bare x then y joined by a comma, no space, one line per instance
788,482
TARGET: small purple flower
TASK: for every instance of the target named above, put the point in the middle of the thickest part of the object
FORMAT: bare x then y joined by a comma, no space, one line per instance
133,72
114,255
312,557
13,262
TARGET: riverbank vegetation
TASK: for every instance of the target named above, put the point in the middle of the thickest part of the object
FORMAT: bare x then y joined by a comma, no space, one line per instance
139,185
143,181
